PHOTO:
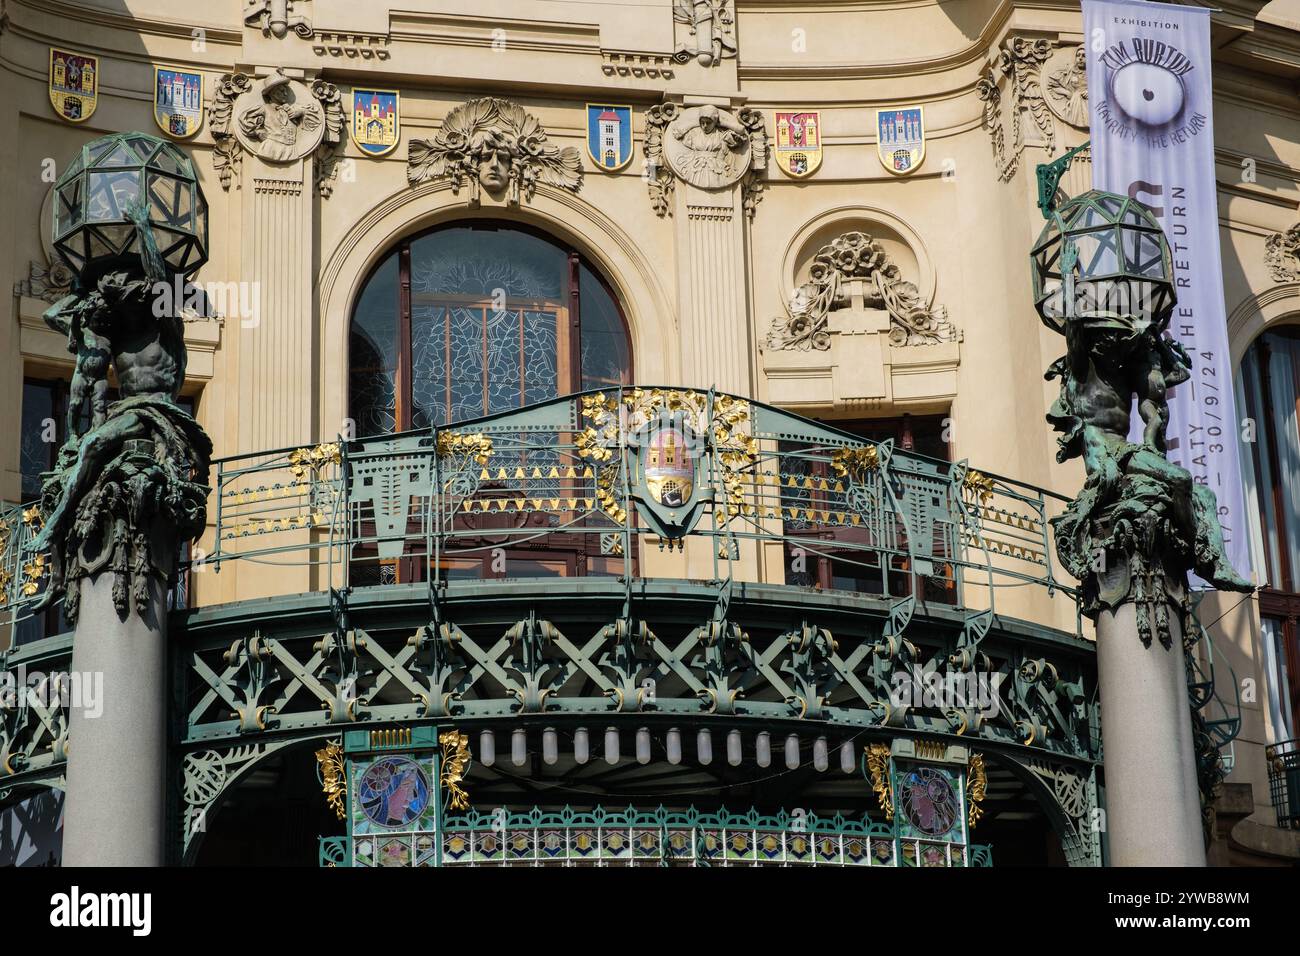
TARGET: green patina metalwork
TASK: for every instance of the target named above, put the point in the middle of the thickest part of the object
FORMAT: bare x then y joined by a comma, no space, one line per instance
1103,277
130,221
1049,178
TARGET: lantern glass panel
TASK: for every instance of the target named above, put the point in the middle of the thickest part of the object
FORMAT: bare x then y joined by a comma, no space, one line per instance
96,150
167,162
143,148
111,194
68,209
1133,217
1110,205
1098,253
119,155
1143,255
169,200
117,236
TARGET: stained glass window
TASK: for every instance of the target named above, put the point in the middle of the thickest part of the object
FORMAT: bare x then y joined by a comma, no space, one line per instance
473,319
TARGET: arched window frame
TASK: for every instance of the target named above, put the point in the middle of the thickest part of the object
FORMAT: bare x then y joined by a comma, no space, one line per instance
569,363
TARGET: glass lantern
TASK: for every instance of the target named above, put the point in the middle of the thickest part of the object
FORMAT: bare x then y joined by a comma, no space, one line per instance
93,227
1122,273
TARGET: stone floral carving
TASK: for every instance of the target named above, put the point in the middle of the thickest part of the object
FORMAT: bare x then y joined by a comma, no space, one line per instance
856,255
1282,254
706,30
1067,90
51,282
708,147
278,118
494,145
277,17
1020,62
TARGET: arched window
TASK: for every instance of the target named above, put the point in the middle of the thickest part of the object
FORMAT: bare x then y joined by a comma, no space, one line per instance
473,319
1270,386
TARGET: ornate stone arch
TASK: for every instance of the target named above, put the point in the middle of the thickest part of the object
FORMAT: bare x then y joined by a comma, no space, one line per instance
856,216
647,306
1258,312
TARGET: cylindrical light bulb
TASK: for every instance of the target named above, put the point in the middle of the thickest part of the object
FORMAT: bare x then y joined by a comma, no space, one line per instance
733,748
487,748
581,745
704,747
643,745
611,745
673,744
550,746
792,752
518,746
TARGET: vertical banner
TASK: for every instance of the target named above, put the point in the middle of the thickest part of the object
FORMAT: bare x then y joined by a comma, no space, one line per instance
1153,139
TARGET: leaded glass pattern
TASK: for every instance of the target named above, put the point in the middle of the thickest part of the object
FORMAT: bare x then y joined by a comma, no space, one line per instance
490,329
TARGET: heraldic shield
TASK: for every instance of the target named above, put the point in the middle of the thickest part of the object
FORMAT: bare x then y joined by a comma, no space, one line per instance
668,484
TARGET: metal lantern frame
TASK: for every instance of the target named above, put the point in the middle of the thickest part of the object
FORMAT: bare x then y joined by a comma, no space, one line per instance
1102,257
97,206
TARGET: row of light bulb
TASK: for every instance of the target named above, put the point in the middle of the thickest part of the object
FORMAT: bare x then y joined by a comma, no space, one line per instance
487,748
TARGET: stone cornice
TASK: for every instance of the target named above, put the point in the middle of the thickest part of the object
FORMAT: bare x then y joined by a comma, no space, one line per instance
99,18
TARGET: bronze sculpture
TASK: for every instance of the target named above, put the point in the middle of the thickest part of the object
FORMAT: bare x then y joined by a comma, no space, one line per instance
1140,523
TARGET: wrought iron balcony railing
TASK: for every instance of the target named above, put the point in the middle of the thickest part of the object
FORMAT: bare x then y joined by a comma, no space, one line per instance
1284,781
596,483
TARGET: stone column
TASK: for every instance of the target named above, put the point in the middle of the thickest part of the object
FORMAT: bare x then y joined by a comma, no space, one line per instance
1153,801
117,760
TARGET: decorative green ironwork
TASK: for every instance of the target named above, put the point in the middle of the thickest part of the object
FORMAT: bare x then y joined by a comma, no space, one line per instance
1049,178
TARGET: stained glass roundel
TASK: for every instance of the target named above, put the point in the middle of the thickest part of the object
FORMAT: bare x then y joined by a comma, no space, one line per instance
929,800
393,792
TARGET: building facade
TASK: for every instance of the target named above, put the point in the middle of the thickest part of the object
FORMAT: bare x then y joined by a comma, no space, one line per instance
795,231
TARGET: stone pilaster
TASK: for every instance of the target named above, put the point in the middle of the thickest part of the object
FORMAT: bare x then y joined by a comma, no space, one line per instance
277,347
716,331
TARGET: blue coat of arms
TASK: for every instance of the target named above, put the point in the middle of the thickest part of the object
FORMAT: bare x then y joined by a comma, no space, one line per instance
609,135
900,138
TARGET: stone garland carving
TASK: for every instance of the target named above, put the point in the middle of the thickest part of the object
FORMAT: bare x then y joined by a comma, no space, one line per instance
277,17
706,30
1282,254
494,145
1020,61
856,255
1067,90
277,118
708,147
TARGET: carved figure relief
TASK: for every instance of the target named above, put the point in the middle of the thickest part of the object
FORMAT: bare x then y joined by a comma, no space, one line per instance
496,146
1067,90
706,30
1282,254
278,118
856,255
281,121
708,147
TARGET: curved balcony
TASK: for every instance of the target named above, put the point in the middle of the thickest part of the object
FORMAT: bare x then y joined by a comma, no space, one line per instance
646,563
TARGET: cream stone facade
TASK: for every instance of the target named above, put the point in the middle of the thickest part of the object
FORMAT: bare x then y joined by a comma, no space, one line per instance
704,242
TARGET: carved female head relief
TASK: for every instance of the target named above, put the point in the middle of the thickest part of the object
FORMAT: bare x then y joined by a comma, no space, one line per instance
493,145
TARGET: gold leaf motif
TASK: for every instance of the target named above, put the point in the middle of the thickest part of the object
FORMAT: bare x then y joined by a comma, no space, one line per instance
855,463
333,778
878,767
455,762
976,785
